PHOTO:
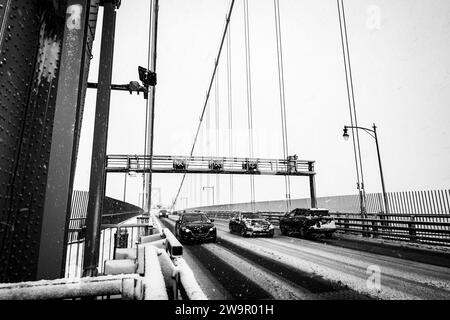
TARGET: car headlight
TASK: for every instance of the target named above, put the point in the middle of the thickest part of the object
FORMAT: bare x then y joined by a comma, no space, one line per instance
271,226
212,229
185,229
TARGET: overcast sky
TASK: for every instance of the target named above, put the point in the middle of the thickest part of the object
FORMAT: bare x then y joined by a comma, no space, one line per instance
400,53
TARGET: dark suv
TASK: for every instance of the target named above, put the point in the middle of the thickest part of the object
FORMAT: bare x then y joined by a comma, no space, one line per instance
305,222
252,224
195,227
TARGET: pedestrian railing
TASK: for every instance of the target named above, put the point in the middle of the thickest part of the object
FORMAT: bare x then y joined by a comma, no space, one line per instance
112,236
122,249
423,228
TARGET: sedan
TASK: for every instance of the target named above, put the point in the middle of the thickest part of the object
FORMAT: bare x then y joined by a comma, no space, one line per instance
252,224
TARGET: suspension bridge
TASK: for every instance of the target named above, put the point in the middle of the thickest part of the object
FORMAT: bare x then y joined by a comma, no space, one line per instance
57,242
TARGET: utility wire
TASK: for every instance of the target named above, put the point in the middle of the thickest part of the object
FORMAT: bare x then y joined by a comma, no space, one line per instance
227,22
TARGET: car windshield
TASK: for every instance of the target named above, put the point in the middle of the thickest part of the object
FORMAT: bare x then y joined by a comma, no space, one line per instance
251,216
196,218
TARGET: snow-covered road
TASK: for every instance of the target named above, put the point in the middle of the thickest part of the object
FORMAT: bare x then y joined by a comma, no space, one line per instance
292,268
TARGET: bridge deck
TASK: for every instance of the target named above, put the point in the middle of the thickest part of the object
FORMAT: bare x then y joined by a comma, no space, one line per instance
209,165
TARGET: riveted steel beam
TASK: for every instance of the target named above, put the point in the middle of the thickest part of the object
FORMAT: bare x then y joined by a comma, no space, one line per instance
62,160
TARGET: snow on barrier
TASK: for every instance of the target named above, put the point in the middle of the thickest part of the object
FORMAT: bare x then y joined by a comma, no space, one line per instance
173,246
176,272
128,286
190,288
155,287
156,223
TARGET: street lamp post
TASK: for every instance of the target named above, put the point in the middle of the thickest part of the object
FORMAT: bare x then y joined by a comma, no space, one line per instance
373,134
212,187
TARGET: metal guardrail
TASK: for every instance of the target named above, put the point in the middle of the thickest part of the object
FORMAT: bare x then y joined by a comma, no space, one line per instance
422,228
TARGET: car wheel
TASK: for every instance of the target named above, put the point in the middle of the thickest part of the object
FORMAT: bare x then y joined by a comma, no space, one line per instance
243,232
329,235
214,240
283,230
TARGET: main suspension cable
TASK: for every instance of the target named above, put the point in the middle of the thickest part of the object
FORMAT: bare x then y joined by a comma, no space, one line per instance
227,22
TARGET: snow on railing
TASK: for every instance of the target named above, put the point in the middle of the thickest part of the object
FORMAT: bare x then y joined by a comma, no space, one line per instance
128,286
177,273
155,287
190,288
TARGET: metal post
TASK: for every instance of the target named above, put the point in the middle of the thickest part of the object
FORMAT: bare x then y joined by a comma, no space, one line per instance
386,204
61,167
98,163
152,99
312,186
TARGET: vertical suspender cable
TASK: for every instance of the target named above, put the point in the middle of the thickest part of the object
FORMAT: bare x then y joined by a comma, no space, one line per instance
281,87
208,148
249,97
217,105
230,108
351,103
354,108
